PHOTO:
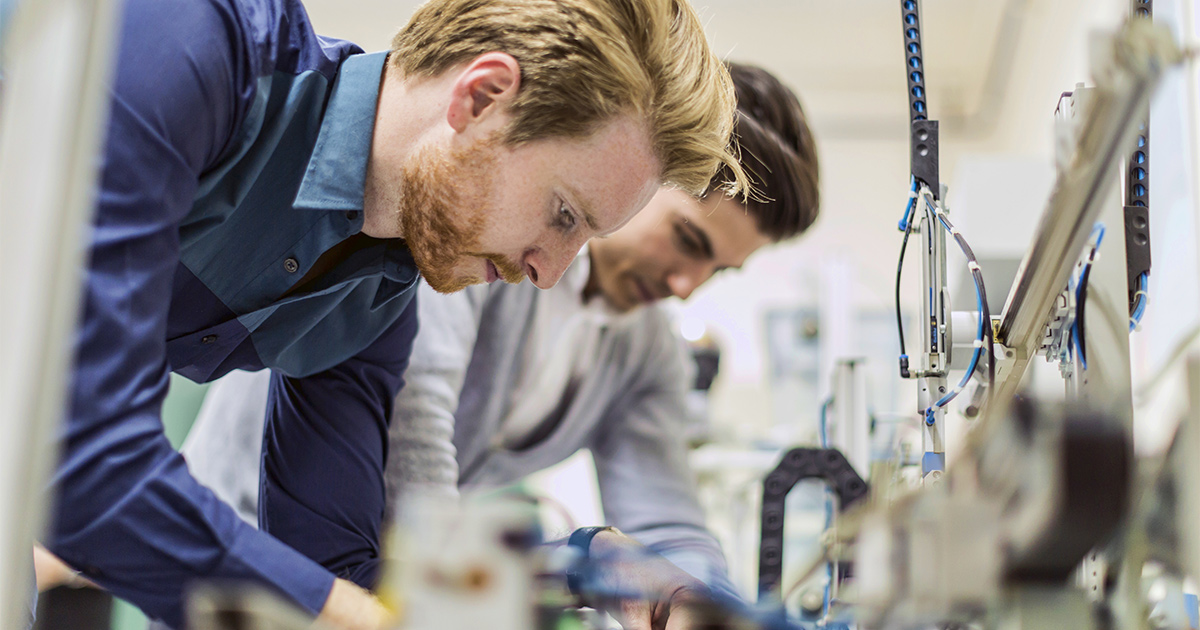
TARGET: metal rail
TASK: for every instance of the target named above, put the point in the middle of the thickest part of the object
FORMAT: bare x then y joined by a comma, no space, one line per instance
1140,54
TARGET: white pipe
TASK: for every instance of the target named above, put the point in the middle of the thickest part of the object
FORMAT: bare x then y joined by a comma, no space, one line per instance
57,59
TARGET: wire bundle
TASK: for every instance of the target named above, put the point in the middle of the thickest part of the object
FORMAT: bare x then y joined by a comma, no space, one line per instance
1141,297
983,336
1077,327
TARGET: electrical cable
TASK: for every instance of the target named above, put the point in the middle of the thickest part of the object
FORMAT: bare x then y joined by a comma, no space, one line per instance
830,573
824,426
1140,298
984,338
906,227
829,569
1078,327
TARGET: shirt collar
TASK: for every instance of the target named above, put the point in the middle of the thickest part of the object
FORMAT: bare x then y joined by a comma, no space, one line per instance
337,170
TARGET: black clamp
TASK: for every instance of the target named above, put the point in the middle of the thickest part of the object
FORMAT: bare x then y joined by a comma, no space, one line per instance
798,464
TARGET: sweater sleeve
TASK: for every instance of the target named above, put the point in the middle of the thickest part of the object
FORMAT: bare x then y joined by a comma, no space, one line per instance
646,486
422,456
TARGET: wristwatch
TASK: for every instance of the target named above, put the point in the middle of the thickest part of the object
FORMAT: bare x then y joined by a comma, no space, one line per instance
581,540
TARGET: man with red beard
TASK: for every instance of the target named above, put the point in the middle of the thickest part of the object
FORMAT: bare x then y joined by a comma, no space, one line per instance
509,380
270,198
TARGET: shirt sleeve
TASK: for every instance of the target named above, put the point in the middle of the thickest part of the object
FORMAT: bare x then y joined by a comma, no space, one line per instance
224,447
128,514
422,457
324,451
646,486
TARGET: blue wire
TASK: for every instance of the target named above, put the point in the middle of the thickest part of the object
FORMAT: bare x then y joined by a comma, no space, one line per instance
912,190
828,570
1098,234
1139,308
824,435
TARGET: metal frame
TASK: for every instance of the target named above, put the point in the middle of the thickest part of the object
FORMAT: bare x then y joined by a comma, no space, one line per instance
933,356
1139,56
935,334
1106,380
57,61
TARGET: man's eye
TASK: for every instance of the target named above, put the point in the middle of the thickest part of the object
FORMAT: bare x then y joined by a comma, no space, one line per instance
566,219
686,241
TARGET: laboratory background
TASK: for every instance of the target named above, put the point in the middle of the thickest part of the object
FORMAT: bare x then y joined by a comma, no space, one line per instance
1029,460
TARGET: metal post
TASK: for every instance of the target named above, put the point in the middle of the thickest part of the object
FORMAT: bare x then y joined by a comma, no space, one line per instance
57,59
850,415
935,311
1188,473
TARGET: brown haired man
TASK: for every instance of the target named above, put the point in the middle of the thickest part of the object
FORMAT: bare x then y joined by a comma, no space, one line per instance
509,380
269,198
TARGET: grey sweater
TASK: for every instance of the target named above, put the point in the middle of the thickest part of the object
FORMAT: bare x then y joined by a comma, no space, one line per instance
618,388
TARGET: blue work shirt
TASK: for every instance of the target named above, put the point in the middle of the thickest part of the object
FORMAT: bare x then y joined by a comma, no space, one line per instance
236,155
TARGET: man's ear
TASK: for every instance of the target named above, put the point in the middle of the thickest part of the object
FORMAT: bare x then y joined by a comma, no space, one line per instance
482,88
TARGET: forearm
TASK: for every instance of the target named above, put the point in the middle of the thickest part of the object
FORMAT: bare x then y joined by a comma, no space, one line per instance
324,452
639,588
164,531
422,457
693,549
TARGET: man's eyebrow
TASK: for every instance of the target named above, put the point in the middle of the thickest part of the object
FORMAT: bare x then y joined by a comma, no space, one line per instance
582,207
589,218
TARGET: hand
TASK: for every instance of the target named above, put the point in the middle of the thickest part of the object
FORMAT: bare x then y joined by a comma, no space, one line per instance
670,599
52,572
349,607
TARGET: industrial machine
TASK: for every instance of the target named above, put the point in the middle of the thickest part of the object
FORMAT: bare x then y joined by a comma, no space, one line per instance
1046,518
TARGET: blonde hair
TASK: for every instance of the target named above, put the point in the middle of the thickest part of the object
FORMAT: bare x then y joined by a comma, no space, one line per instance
584,62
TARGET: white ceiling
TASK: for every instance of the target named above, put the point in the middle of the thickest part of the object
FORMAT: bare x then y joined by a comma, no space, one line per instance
843,57
846,58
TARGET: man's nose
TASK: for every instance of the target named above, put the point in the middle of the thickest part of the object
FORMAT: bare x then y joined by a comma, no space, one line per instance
683,282
545,266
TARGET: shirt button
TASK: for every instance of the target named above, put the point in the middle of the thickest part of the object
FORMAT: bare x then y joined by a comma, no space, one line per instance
206,339
291,265
352,215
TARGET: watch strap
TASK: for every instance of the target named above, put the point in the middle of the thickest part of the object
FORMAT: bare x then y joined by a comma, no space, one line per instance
581,540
